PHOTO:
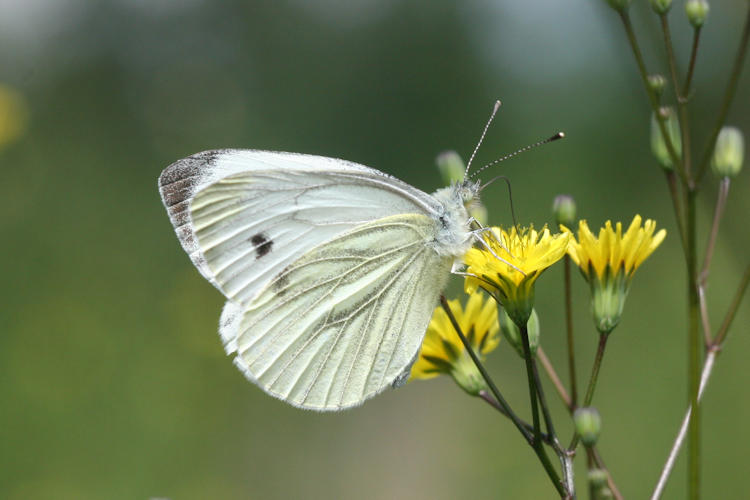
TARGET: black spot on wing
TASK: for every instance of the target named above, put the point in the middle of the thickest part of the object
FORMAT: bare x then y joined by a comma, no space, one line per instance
262,245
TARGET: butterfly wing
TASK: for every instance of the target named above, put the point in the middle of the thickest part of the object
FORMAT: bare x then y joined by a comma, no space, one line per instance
345,320
243,216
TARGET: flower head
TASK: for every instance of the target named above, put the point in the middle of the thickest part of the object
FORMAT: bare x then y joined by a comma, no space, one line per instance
444,353
609,261
509,264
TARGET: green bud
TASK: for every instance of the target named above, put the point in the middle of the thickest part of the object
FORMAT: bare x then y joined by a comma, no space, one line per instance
604,493
619,5
467,376
451,167
661,6
697,12
657,83
512,333
597,478
729,152
658,146
564,209
588,425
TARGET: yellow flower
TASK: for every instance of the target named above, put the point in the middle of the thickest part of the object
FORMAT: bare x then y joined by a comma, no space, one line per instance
609,261
442,350
510,262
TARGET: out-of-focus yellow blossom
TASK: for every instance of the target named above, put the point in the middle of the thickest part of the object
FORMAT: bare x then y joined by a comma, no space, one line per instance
509,264
13,115
609,261
444,353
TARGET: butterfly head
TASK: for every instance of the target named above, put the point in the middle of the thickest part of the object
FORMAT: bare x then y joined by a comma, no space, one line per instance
467,192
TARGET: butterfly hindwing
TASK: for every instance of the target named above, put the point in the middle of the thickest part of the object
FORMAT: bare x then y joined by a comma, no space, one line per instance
345,320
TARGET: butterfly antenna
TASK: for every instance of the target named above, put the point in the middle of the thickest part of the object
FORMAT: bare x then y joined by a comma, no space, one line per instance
559,135
484,132
510,195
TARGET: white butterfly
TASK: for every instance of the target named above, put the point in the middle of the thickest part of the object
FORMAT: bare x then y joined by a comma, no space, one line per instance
331,269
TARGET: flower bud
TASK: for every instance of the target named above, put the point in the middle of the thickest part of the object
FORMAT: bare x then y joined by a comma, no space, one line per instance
657,83
697,11
619,5
729,152
451,167
661,6
512,333
467,376
658,146
588,425
597,478
564,209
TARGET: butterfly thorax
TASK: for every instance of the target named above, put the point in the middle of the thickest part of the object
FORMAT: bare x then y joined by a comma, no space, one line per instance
453,237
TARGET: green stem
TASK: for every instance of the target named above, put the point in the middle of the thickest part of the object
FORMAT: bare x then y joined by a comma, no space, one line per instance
708,364
681,107
721,200
729,317
536,444
653,99
595,369
691,65
728,97
694,353
486,376
675,195
532,384
565,459
552,374
487,397
592,380
569,328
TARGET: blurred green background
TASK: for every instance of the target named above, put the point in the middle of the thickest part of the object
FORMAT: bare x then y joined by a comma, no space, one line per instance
113,380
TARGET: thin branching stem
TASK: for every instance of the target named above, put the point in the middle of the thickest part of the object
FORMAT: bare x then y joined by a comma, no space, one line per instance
535,442
593,378
721,334
734,78
487,397
691,64
721,200
694,353
555,379
679,216
599,461
708,366
562,454
681,103
530,376
485,375
569,331
653,99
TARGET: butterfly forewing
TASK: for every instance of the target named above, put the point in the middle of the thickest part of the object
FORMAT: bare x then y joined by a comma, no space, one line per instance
346,319
243,216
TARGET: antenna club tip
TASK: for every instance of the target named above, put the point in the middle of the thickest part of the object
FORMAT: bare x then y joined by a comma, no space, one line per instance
497,104
559,135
